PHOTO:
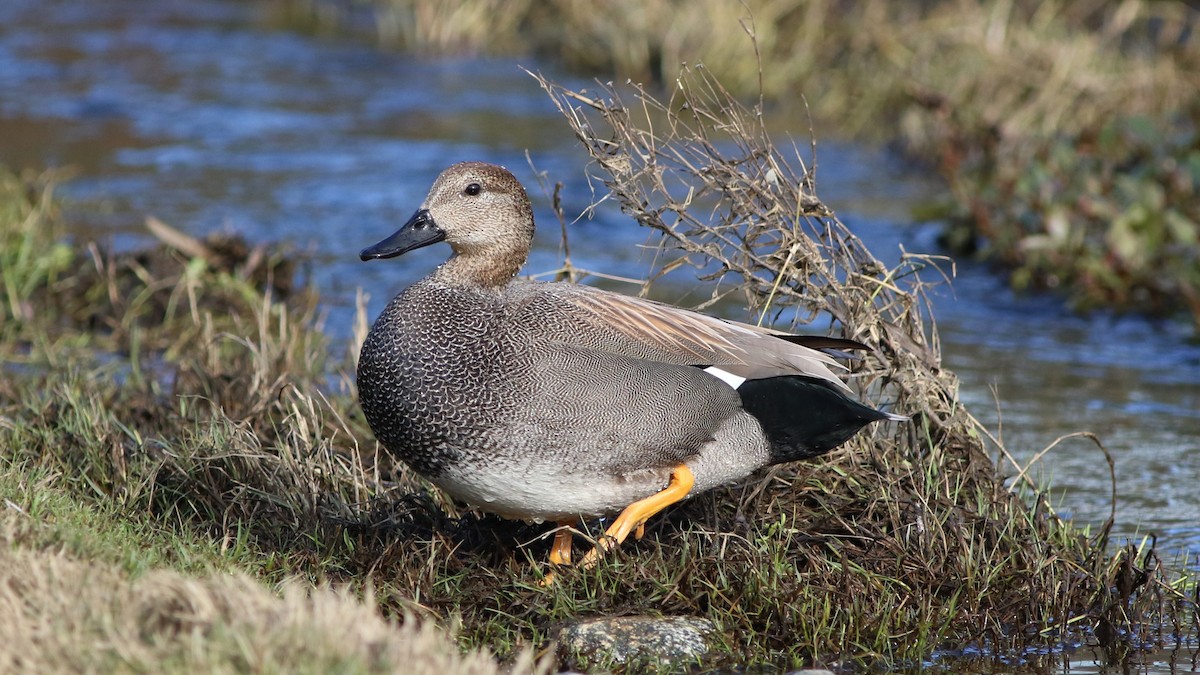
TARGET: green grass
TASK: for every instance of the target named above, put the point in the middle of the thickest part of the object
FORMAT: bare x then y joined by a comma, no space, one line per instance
1111,215
46,514
30,257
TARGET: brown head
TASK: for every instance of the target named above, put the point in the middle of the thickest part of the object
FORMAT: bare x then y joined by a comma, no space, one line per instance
482,211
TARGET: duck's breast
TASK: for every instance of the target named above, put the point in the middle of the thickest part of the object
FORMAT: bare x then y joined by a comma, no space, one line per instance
436,375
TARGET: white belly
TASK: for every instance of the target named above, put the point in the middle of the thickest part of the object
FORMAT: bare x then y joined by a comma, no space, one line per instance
557,496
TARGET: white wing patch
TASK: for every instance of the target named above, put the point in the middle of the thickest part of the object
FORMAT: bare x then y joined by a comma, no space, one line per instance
727,377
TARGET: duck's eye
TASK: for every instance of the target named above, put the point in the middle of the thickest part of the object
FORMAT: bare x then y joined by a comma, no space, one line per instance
472,189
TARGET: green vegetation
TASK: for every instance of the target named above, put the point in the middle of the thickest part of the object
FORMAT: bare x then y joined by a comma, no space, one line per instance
1110,216
1066,130
183,451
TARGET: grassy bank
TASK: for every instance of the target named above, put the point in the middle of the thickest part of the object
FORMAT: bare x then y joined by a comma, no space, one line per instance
1065,130
174,419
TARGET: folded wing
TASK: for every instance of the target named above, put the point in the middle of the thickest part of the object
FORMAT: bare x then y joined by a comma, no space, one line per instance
649,329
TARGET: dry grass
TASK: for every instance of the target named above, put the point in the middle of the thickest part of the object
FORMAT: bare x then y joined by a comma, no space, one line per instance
64,615
1024,67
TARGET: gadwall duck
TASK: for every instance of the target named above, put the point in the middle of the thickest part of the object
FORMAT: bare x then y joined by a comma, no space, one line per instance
555,401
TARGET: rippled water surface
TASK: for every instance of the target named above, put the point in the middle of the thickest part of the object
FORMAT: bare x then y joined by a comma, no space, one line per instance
201,113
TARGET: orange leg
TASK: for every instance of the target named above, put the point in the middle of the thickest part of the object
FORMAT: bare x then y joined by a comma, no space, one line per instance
560,553
634,516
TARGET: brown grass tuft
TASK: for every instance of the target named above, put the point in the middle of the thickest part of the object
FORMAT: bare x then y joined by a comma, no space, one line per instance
69,616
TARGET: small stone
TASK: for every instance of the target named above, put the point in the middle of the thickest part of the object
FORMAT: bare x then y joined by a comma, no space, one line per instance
627,638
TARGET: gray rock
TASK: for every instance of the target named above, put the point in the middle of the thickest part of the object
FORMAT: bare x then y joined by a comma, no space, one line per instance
627,638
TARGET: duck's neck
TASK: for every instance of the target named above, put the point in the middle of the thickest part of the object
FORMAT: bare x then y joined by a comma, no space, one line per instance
490,270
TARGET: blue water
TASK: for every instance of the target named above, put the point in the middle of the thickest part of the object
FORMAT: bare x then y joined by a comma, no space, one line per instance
203,114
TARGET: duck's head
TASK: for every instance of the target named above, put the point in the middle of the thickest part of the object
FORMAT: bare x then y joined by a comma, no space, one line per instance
482,211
